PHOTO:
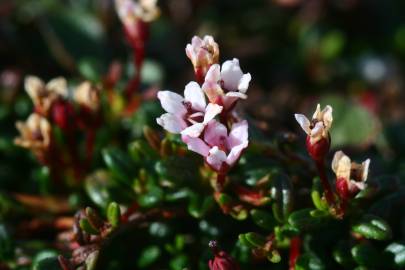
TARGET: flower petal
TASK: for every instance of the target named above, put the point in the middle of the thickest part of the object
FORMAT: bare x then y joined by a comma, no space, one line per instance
231,74
196,145
244,82
193,131
317,132
58,85
235,153
317,113
211,111
238,135
327,117
303,122
215,134
34,86
213,74
341,165
216,157
194,95
171,123
365,167
172,102
212,90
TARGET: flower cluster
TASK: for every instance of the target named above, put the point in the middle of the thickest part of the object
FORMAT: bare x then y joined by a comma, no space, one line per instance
220,142
350,176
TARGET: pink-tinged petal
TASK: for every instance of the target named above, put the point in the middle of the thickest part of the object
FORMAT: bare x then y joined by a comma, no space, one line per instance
213,90
215,133
236,94
194,95
303,122
231,74
196,42
213,74
171,123
216,158
244,82
317,131
211,111
172,102
229,100
235,153
193,131
238,135
196,145
190,53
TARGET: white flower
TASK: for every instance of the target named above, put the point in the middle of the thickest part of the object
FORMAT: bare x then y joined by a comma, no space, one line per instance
188,115
221,151
319,127
35,133
355,174
87,95
43,95
226,84
203,53
130,11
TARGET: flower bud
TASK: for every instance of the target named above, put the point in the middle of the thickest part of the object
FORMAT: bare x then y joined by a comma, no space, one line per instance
350,176
221,261
318,139
203,53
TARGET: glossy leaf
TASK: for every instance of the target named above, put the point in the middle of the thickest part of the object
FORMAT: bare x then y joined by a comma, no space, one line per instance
373,227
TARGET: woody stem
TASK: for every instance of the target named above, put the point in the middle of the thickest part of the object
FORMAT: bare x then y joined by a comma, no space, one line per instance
325,183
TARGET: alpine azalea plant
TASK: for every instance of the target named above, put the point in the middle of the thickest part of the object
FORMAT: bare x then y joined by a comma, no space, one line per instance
221,142
135,178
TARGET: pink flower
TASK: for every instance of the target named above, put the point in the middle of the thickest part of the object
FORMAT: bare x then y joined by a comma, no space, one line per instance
130,11
225,85
188,115
220,149
203,53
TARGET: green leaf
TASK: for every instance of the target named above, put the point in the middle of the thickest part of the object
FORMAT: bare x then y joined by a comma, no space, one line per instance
243,240
274,256
303,220
114,214
342,255
199,206
263,219
316,195
366,255
120,165
87,227
47,263
255,239
396,251
98,186
373,227
281,193
141,151
152,197
309,261
148,256
179,262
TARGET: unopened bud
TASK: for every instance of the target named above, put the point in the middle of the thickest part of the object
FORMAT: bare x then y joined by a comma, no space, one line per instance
221,261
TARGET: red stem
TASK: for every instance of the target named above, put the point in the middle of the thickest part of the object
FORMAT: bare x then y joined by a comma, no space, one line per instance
221,181
295,251
325,183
